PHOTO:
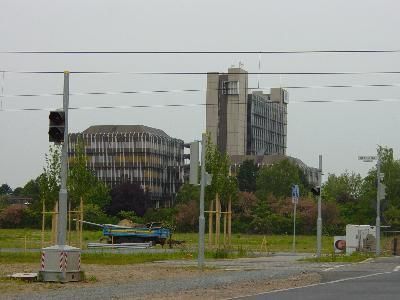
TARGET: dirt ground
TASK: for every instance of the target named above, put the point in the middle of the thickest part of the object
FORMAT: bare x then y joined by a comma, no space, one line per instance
241,288
106,274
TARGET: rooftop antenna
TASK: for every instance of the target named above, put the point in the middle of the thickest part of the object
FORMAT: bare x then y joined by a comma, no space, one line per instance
241,64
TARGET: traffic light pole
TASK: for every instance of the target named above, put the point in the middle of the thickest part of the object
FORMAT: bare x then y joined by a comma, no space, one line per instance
62,263
200,257
378,208
63,195
319,219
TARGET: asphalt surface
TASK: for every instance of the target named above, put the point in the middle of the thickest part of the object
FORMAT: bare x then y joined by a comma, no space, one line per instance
374,279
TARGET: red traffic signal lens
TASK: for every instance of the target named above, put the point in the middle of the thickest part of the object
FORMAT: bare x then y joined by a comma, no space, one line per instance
57,117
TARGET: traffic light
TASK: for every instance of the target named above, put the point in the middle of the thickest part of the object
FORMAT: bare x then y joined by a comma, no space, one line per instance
382,191
194,162
56,126
316,190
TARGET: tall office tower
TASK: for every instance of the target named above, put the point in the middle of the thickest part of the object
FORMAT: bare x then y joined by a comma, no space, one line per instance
241,123
226,115
267,123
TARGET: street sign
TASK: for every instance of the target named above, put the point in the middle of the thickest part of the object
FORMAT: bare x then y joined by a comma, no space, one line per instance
295,194
368,158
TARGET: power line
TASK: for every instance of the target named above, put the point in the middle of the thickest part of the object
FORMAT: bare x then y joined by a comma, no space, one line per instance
203,73
105,93
209,52
195,105
196,90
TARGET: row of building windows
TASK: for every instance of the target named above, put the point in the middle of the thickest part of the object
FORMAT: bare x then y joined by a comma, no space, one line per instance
155,162
267,134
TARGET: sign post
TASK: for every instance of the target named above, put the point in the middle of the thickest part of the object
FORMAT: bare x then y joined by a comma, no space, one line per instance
371,158
295,201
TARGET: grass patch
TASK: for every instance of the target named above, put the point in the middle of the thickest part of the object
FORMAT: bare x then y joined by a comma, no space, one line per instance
275,243
249,243
22,257
354,257
125,259
95,258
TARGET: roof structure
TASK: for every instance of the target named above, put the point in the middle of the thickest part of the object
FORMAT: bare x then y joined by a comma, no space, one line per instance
268,160
124,129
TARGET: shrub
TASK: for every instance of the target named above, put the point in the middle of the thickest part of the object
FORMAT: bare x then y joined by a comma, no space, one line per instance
12,216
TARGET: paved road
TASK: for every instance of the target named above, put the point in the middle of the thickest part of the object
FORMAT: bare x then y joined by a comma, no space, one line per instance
376,279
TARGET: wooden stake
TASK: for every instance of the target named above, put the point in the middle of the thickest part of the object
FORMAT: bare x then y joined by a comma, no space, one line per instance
217,220
81,225
229,221
69,223
225,229
210,223
54,221
43,222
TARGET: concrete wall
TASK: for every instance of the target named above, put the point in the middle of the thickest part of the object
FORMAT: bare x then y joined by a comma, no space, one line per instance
237,114
212,106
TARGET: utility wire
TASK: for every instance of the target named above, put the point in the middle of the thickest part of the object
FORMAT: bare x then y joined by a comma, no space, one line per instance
195,90
195,105
203,73
206,52
105,93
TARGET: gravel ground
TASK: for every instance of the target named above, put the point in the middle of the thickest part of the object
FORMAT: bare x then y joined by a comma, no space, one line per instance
172,280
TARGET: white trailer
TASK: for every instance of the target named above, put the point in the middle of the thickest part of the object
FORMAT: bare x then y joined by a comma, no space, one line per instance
360,238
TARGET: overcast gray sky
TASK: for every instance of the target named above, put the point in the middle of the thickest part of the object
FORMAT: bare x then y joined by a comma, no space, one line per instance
338,131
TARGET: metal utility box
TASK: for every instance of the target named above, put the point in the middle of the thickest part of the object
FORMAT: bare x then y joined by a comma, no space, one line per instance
60,263
360,238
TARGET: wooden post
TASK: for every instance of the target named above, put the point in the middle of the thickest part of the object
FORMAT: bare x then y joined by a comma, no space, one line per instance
225,217
43,222
217,220
69,223
210,223
81,225
229,221
54,221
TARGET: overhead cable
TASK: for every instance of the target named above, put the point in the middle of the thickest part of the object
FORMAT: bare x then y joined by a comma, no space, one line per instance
202,73
194,105
196,90
207,52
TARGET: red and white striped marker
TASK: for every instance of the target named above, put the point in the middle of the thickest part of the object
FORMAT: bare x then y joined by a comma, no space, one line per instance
61,261
65,260
42,261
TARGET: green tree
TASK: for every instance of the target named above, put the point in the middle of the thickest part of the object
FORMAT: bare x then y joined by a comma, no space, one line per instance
342,189
5,189
277,179
345,191
218,164
82,182
32,189
18,191
247,176
49,180
188,192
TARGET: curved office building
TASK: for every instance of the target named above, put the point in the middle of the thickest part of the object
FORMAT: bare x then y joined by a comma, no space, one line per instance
136,154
